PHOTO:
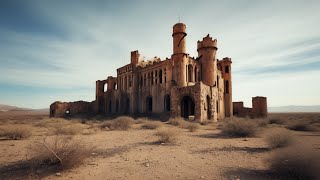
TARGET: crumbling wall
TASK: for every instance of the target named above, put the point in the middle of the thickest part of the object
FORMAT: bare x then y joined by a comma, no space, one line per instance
68,109
259,108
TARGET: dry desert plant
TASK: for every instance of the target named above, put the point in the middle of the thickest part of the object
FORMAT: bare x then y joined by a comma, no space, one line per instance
295,162
279,137
59,151
167,135
176,121
192,127
69,129
276,121
238,128
151,125
302,126
16,132
120,123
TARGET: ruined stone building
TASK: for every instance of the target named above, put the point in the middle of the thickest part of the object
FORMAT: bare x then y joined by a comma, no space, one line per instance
191,87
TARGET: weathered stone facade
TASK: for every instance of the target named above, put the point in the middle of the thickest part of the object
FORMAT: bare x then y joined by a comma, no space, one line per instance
192,87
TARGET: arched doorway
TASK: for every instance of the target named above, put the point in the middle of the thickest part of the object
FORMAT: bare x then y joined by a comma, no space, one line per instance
110,108
187,106
167,103
149,104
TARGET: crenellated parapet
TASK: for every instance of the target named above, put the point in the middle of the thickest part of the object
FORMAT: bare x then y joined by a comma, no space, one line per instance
207,42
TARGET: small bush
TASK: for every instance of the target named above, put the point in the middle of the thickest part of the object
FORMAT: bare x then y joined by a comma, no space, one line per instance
302,126
279,137
239,128
151,125
296,163
192,127
16,132
276,121
263,122
120,123
167,135
177,121
71,153
69,129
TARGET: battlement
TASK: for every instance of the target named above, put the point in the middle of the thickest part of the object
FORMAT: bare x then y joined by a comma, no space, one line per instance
207,42
226,59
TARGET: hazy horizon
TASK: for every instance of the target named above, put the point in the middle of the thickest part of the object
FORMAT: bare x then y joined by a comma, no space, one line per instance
56,50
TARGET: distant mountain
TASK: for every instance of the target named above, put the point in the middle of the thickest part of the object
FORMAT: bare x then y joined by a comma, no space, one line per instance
295,109
5,108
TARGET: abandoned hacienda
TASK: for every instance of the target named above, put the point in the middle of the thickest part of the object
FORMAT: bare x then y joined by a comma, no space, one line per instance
199,87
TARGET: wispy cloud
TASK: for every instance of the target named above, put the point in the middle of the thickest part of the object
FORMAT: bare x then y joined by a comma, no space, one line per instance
62,47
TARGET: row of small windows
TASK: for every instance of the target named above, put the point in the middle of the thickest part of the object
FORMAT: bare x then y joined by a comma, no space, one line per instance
125,82
124,69
192,74
153,77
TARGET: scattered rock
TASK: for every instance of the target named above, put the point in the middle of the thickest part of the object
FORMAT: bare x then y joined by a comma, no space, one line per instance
246,139
58,174
201,177
147,165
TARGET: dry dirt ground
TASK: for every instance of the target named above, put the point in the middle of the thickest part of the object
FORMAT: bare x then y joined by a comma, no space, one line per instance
134,153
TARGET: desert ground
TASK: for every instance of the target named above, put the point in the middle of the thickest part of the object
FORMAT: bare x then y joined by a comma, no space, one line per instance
34,146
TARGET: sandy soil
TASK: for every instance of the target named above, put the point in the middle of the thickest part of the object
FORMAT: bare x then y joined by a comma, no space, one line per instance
133,154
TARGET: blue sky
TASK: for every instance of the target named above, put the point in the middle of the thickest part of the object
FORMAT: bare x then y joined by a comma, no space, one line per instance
56,50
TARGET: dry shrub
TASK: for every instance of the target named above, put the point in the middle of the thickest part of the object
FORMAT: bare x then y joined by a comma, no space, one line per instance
16,132
151,125
302,126
69,129
192,127
239,128
263,122
177,121
120,123
167,135
71,153
279,137
204,122
296,163
276,121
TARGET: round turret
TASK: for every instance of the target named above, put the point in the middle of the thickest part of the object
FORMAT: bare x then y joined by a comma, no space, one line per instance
179,38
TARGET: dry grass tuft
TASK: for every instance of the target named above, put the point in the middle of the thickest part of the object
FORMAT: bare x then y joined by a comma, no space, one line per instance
239,128
276,121
69,129
302,126
151,125
279,137
16,132
120,123
176,121
71,153
192,127
167,135
296,163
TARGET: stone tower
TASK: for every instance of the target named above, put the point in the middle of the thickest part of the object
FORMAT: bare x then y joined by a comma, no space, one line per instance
226,74
259,106
179,56
207,49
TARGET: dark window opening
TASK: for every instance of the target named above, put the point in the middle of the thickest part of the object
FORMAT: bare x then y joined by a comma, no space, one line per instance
127,109
208,107
227,87
217,104
160,76
167,103
149,104
110,107
195,74
189,73
226,69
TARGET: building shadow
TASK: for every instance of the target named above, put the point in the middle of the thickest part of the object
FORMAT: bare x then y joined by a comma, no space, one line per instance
236,149
249,174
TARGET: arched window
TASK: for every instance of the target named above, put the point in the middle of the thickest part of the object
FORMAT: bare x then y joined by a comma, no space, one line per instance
218,81
190,74
167,103
105,87
217,104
